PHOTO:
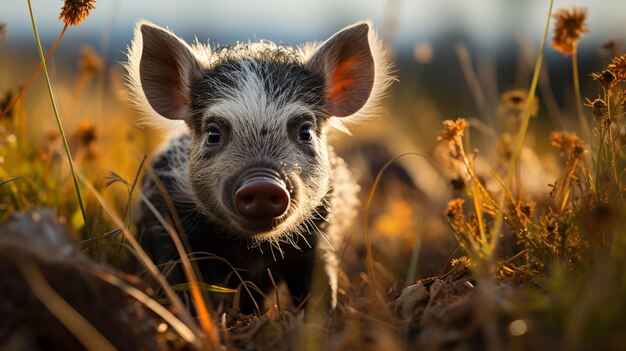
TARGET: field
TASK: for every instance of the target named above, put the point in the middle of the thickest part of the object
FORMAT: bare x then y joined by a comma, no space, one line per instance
498,230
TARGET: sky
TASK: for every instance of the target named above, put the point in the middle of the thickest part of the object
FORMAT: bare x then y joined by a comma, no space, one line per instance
405,22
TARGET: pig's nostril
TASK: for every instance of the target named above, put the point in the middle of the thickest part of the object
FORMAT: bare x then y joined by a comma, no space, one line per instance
261,198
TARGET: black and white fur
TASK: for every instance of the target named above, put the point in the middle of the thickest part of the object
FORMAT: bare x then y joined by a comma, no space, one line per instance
258,97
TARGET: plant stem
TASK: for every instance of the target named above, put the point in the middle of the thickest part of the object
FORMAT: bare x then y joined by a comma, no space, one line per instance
497,226
35,74
579,103
58,118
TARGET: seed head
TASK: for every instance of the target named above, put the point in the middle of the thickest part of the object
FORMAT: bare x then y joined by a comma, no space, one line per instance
618,67
569,27
455,214
609,48
86,133
516,100
453,131
570,143
599,109
75,11
606,78
90,62
3,27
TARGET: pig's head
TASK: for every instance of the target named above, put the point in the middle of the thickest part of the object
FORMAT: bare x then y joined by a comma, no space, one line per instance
258,115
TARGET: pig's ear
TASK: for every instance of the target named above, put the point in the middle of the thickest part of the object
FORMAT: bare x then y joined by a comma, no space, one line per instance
346,63
161,69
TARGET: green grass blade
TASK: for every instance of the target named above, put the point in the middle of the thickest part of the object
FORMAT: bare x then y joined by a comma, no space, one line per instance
520,136
56,115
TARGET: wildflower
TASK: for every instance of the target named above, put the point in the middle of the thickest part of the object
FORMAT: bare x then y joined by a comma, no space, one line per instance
607,78
462,261
609,48
569,27
618,67
570,143
90,62
86,133
453,131
600,110
456,216
517,99
75,11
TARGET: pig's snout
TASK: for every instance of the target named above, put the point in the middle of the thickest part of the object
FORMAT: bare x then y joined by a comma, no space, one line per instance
261,195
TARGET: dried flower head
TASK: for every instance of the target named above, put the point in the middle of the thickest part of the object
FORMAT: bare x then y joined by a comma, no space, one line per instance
609,48
570,143
618,67
86,133
599,109
606,78
453,131
3,27
75,11
90,62
516,101
462,262
569,27
456,215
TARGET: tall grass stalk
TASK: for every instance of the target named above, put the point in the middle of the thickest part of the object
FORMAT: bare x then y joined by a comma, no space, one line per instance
58,118
579,102
497,226
368,204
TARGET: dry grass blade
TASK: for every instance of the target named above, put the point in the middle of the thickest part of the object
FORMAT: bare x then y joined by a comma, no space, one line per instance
204,287
10,180
145,260
200,304
370,198
86,333
152,304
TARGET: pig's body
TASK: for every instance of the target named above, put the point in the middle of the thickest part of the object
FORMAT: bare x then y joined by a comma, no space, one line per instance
252,179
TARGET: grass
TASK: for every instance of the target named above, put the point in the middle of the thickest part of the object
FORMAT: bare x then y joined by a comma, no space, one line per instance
57,118
513,269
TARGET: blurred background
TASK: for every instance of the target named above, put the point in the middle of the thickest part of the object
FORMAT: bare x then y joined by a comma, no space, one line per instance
424,38
451,58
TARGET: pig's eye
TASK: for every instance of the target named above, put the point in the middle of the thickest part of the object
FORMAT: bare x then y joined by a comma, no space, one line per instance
213,135
305,134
